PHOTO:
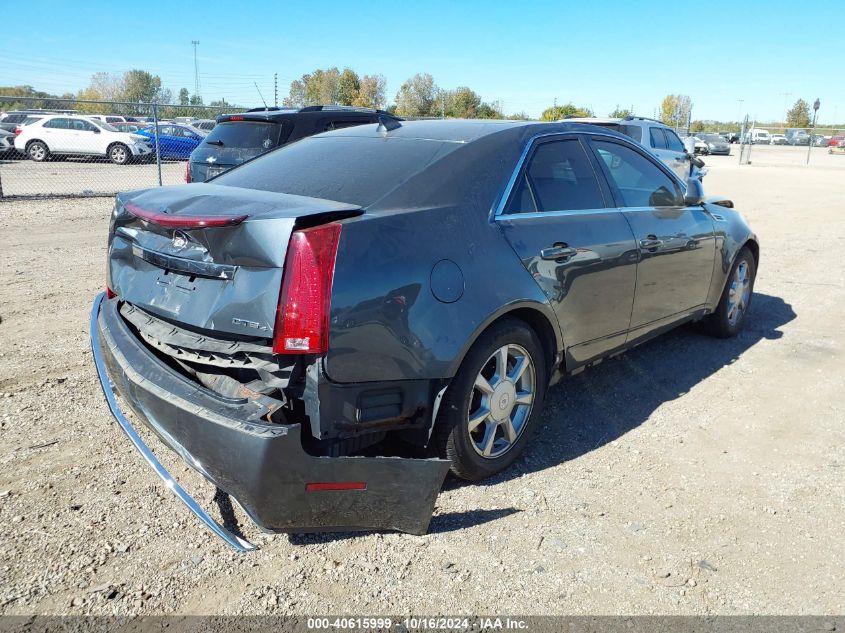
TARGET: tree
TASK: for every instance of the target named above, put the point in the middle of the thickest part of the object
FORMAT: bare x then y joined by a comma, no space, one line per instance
416,96
675,110
490,111
371,92
141,86
184,96
563,111
798,115
697,126
465,103
620,113
348,87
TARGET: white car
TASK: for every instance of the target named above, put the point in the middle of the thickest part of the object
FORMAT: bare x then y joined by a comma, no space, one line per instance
79,136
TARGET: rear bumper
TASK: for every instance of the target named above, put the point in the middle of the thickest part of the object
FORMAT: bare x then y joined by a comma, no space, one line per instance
262,466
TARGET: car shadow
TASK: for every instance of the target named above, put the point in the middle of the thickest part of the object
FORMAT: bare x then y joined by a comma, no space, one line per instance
440,524
585,412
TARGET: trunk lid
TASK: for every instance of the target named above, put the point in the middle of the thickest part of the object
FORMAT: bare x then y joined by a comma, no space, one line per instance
209,256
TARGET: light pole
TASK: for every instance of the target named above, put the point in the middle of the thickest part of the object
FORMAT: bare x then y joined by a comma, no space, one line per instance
816,105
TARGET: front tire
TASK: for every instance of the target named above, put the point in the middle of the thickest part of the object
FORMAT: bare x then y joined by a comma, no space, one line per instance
490,409
119,154
729,316
38,151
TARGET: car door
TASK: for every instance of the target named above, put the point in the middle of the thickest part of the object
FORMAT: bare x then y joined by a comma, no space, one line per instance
676,159
89,138
166,140
58,135
560,220
676,244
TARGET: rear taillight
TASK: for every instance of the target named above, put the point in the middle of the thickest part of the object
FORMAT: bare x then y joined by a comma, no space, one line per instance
110,294
188,171
18,130
302,317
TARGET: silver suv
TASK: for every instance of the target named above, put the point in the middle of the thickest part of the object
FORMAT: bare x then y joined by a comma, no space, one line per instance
656,136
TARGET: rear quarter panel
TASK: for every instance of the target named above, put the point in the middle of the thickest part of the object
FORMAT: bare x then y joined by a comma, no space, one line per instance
387,324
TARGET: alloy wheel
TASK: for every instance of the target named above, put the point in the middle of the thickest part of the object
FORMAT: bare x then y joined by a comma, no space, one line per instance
739,293
501,401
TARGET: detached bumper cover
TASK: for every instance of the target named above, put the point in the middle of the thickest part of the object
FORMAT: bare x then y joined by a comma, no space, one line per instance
262,466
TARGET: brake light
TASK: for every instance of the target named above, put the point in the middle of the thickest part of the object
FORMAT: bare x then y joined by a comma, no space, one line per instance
302,316
183,221
110,294
18,130
236,118
188,171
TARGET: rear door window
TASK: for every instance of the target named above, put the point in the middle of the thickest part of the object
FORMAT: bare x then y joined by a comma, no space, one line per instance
673,141
637,181
245,134
658,140
559,177
58,124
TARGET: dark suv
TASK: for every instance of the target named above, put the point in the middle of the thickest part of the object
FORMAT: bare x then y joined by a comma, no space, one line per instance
239,137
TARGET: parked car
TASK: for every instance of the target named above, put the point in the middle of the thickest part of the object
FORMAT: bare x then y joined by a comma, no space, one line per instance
658,137
239,137
129,126
7,143
11,120
730,137
108,118
715,144
204,124
833,141
757,136
699,146
80,136
780,139
797,137
175,140
821,141
304,306
839,148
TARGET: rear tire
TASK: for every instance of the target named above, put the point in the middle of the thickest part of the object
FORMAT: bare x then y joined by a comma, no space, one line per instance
728,318
119,154
38,151
490,410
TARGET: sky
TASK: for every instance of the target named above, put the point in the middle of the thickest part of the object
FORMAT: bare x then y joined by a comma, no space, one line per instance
731,57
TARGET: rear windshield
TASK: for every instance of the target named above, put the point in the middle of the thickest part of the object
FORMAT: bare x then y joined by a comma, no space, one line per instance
355,170
246,135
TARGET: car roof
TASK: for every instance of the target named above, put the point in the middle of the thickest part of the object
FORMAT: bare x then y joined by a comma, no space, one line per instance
465,130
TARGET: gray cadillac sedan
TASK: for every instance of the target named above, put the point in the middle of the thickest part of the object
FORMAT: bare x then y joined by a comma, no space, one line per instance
419,284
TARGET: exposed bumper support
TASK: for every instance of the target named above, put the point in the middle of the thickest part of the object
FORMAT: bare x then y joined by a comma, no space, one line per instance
232,539
262,466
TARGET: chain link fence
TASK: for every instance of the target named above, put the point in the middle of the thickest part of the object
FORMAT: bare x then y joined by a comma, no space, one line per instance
66,147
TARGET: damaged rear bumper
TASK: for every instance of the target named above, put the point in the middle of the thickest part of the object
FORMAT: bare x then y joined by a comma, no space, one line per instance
262,466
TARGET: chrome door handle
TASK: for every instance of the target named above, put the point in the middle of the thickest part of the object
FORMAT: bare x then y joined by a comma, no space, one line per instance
558,251
651,242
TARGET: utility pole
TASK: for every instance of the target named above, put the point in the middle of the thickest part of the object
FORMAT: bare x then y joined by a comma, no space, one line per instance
276,89
196,71
739,118
554,110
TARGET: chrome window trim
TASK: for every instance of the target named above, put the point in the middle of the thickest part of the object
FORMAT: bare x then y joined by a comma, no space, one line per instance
499,207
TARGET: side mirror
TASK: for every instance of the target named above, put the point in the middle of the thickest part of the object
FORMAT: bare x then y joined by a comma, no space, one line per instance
695,193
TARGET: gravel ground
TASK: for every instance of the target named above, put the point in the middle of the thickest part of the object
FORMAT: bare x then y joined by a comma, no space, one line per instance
688,476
